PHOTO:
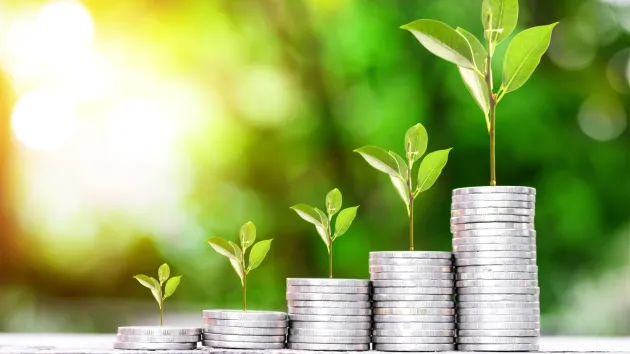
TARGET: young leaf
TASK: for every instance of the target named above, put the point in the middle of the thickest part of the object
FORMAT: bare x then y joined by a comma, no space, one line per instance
333,201
308,213
322,216
401,188
144,280
443,41
163,273
258,253
523,55
222,247
238,269
344,220
237,251
430,169
416,140
479,52
503,17
171,286
401,165
379,159
323,234
247,235
156,290
477,87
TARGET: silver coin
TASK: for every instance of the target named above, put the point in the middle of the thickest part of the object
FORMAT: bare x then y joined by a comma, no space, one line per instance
243,338
491,218
498,269
413,340
415,326
498,290
414,304
328,289
328,282
493,283
497,347
413,318
330,332
498,333
494,240
497,304
497,276
330,304
493,197
409,262
329,311
331,325
328,318
495,247
242,345
411,276
413,311
328,347
498,318
411,297
245,315
410,269
154,346
412,283
495,232
499,311
492,211
328,339
245,323
535,325
417,290
389,347
413,333
327,297
157,339
412,254
497,297
247,331
159,331
465,262
494,189
494,204
492,226
496,254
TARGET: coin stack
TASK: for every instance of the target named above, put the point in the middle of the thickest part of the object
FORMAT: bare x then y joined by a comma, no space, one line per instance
157,338
494,244
412,301
235,329
329,314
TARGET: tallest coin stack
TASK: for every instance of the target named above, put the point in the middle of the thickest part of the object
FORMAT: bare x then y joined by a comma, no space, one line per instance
494,246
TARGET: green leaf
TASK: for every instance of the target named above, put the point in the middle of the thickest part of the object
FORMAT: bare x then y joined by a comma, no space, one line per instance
322,216
443,41
144,280
163,273
504,15
258,253
308,213
379,159
323,233
333,201
238,268
156,290
416,140
402,189
401,165
344,220
237,251
477,87
247,235
523,55
222,247
430,169
479,52
171,286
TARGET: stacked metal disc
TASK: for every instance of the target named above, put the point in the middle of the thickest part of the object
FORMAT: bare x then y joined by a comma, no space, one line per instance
494,244
235,329
412,301
157,338
329,314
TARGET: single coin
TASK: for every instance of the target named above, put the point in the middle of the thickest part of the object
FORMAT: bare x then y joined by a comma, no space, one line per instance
157,339
411,276
412,283
462,311
414,304
243,338
154,346
411,269
498,269
245,315
328,289
498,290
416,290
494,240
500,232
329,311
493,283
328,318
331,325
497,347
328,282
493,204
498,318
389,347
492,211
416,326
492,226
328,347
491,218
497,297
330,304
495,247
413,311
327,297
535,325
411,297
410,262
497,276
495,254
413,318
493,197
328,339
247,323
413,340
242,345
497,304
247,331
498,333
159,331
412,254
465,262
494,189
413,333
330,332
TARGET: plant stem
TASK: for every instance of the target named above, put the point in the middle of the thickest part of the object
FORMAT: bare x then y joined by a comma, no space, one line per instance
244,281
330,250
161,315
411,198
492,107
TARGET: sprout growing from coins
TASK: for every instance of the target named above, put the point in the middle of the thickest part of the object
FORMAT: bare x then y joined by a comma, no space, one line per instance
155,285
236,254
474,61
323,221
400,172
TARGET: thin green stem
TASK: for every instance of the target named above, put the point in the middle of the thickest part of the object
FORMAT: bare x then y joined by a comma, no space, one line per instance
492,108
330,250
244,281
411,199
161,315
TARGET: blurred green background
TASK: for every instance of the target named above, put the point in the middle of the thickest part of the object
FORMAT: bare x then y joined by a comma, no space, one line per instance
134,130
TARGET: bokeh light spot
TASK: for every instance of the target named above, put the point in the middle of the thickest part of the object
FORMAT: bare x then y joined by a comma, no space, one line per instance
602,118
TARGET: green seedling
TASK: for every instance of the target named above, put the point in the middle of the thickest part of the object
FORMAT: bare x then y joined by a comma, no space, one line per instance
155,285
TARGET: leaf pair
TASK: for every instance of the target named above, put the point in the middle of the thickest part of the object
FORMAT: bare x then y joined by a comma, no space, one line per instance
155,285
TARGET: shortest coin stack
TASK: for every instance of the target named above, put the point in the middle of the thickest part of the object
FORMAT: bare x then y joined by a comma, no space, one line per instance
329,314
157,338
235,329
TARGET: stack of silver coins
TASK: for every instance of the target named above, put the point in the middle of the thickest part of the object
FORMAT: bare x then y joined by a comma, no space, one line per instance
412,301
494,244
235,329
157,338
329,314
